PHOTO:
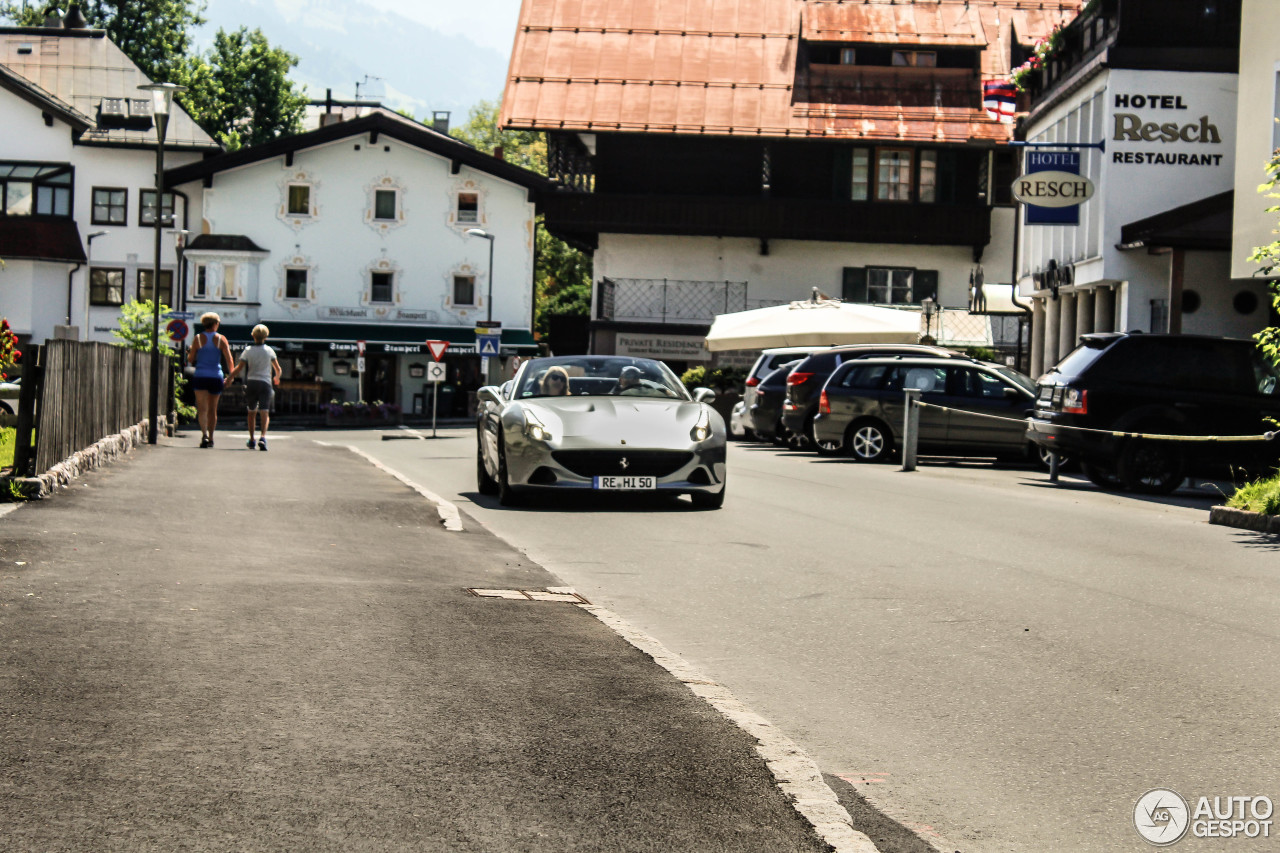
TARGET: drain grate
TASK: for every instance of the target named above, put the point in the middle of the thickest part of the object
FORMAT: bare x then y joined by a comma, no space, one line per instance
551,593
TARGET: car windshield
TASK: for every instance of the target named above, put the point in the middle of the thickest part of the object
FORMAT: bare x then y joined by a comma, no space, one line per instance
598,376
1017,378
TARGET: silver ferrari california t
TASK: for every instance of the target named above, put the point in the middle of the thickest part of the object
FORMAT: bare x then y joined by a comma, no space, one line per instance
603,422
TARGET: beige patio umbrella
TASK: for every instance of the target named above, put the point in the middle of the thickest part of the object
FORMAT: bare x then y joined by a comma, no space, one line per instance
814,322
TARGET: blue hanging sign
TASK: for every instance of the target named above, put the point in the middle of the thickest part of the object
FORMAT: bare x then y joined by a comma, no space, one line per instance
1064,164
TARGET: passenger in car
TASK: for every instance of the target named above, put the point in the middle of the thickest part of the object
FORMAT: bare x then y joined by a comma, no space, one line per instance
628,379
555,383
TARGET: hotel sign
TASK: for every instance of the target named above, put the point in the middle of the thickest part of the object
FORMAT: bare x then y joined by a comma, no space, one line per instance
1053,188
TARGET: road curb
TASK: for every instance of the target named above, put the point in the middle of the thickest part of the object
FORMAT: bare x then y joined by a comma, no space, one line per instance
1244,519
794,772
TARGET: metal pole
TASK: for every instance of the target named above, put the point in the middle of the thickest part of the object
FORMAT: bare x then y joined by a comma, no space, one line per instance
489,300
153,408
910,429
435,387
1054,463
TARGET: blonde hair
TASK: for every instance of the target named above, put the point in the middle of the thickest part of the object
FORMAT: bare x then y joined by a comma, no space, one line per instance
260,333
557,370
209,319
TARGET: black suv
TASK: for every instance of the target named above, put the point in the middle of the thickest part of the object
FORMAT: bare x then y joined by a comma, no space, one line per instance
1164,385
804,385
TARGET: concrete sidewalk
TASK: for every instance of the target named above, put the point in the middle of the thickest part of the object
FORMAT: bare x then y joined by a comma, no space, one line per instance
233,650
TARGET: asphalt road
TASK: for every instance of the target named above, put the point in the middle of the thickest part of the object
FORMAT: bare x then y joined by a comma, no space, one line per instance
998,663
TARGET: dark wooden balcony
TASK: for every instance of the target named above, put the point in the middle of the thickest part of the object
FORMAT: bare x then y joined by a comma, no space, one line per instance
584,215
872,85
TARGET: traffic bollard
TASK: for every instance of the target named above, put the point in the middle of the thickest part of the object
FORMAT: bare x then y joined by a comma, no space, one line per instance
910,428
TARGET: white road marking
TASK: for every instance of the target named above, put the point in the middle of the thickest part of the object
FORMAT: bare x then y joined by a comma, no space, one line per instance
412,431
449,515
5,509
795,772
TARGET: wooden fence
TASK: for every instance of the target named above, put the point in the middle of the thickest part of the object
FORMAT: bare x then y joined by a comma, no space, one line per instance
82,393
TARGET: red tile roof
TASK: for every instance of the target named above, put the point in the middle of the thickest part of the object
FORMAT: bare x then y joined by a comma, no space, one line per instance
728,67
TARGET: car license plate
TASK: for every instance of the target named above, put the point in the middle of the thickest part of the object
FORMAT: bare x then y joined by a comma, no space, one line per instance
625,483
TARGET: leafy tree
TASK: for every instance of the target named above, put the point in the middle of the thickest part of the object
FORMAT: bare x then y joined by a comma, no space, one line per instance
239,90
155,34
524,148
134,332
562,274
1269,256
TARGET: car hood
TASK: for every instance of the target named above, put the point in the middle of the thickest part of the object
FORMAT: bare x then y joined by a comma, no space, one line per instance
612,420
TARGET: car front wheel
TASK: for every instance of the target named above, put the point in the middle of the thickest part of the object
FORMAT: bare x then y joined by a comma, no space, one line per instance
869,441
507,495
485,484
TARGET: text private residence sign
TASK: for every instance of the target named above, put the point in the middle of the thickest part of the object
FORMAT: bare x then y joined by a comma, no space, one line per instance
1053,189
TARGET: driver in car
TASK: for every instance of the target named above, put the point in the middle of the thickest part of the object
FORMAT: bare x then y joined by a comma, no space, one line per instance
628,380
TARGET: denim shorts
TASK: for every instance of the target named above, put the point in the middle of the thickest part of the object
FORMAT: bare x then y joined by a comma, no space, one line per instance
258,395
212,384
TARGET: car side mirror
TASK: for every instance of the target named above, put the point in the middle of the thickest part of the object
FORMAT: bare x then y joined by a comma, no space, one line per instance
489,394
703,395
505,390
1012,394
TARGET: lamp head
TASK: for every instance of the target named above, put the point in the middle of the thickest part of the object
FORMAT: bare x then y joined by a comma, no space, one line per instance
479,232
162,95
93,234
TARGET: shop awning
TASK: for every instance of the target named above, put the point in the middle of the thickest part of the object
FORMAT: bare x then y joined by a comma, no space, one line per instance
290,336
1203,224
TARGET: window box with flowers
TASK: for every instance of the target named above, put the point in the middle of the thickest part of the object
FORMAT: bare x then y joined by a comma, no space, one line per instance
361,414
1044,52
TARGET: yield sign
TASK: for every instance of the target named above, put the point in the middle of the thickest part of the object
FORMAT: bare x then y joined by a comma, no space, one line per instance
437,348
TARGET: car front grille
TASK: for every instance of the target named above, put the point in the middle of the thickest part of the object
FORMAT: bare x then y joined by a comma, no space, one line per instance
596,463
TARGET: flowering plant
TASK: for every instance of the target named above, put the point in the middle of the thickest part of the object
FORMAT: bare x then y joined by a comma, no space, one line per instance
1043,50
360,410
9,353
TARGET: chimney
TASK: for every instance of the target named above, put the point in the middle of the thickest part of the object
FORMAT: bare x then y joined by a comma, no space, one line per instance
52,20
74,20
440,121
327,119
499,153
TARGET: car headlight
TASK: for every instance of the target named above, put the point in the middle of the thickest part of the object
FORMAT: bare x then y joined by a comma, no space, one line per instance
702,429
535,428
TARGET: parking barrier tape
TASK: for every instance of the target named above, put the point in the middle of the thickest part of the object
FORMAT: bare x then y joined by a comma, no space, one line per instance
1266,436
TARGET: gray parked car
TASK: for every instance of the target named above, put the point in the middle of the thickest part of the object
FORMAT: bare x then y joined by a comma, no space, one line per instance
861,408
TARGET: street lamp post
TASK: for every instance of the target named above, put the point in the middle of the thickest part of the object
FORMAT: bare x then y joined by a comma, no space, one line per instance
488,302
479,232
928,307
161,103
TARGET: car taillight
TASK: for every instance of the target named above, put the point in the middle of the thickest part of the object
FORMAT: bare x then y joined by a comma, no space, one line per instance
753,382
824,403
798,378
1075,401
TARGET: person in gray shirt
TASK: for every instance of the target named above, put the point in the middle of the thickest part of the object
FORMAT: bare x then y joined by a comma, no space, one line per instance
261,373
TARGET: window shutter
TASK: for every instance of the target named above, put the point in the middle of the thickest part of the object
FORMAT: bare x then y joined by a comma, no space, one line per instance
924,284
854,286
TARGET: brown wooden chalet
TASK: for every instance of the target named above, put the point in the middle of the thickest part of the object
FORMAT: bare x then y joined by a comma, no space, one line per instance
855,121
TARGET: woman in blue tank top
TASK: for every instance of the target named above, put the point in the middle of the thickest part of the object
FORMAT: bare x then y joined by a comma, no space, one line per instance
209,354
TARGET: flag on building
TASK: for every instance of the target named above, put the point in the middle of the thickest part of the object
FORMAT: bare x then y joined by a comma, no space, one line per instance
999,99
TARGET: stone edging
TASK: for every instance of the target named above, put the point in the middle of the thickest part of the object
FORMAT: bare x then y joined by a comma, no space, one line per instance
101,453
1245,519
